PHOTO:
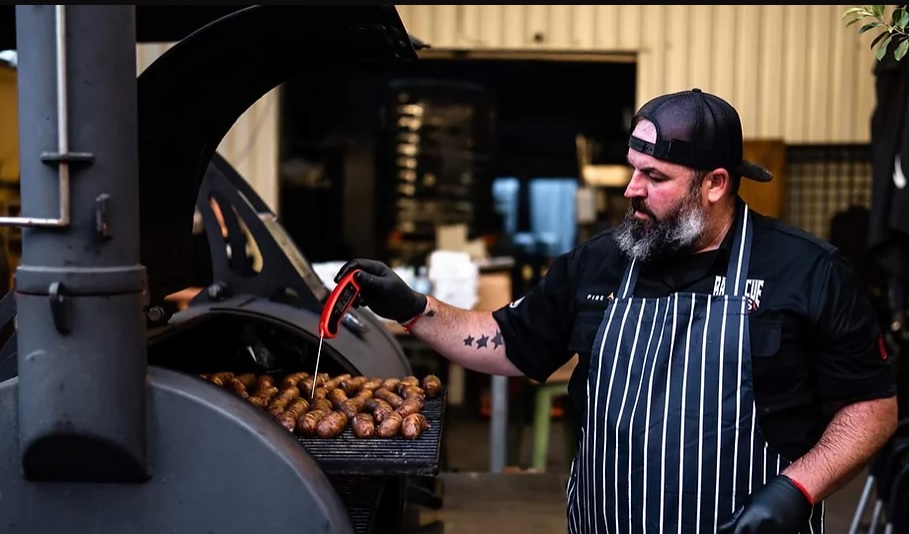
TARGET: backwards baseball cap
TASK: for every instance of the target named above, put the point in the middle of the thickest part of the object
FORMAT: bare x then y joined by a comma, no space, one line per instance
697,130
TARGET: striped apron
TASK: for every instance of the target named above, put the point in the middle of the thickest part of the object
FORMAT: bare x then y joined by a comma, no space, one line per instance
670,443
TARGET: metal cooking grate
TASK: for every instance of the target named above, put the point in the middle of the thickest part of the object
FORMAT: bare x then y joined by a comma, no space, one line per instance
360,496
350,455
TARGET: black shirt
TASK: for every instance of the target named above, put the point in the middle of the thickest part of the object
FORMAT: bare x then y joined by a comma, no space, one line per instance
815,340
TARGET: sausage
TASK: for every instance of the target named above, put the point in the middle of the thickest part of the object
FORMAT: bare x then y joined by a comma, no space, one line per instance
307,423
276,409
388,396
238,388
410,392
432,385
351,407
382,411
256,401
413,425
287,420
264,382
364,395
307,385
222,378
321,379
391,384
298,407
371,384
336,381
321,404
289,393
406,382
293,378
352,385
410,406
331,425
336,396
319,393
390,426
248,380
363,425
266,394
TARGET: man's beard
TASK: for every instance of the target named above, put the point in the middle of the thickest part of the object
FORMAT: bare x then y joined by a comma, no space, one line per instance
652,240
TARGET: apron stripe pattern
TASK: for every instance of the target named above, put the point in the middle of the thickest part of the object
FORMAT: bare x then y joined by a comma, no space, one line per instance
670,441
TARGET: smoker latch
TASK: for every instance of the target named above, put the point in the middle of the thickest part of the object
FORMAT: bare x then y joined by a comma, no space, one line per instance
60,308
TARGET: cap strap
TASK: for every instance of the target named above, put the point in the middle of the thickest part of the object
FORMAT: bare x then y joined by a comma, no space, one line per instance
676,151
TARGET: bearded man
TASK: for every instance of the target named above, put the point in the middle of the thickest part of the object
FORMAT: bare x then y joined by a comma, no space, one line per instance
731,374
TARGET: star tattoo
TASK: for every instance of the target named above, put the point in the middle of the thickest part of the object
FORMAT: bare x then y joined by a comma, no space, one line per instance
497,340
482,341
468,341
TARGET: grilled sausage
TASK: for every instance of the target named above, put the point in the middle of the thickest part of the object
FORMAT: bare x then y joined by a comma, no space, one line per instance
351,407
287,420
264,382
331,425
382,411
336,396
411,392
409,380
432,385
336,381
298,407
391,384
256,401
390,426
293,378
266,394
410,406
363,425
352,385
413,425
321,404
363,394
388,396
319,393
371,384
222,378
307,423
248,380
237,387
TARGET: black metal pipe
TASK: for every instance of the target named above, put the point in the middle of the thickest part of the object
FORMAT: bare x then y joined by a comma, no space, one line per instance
80,287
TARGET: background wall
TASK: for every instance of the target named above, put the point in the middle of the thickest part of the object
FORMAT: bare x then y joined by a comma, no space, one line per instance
251,146
795,72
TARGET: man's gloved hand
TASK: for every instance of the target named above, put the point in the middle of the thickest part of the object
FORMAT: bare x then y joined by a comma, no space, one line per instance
383,291
779,507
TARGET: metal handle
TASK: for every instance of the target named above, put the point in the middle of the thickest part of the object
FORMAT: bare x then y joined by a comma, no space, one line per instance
63,157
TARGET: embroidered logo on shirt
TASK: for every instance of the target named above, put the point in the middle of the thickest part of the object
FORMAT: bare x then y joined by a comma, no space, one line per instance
595,297
753,290
515,303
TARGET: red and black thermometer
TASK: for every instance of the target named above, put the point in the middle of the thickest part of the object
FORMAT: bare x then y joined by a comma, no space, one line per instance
336,307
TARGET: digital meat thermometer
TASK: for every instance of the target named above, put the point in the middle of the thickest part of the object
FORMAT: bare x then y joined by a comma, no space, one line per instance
339,302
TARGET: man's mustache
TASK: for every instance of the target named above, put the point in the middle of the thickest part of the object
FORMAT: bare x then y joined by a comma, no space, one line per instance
637,204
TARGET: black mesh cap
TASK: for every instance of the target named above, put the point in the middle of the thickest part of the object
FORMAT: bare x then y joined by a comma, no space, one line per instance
697,130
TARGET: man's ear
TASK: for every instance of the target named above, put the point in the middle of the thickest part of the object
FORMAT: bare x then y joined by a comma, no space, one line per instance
715,185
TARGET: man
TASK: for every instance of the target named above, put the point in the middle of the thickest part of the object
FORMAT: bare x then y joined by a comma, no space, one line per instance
732,375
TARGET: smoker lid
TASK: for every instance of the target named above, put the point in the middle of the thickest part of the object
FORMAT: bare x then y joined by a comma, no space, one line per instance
191,96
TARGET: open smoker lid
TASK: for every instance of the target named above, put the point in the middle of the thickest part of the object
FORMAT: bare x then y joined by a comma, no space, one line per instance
193,94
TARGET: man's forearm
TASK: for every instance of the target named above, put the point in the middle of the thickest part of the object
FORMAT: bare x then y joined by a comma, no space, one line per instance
854,435
470,338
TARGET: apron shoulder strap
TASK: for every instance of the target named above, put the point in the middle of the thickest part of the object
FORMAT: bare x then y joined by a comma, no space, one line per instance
740,255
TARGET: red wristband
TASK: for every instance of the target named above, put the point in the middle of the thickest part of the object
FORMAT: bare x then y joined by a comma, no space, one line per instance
801,488
409,324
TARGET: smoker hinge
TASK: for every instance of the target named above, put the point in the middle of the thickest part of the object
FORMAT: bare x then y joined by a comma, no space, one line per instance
69,157
60,308
102,224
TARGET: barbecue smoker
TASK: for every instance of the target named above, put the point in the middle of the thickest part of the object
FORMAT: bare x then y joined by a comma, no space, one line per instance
107,428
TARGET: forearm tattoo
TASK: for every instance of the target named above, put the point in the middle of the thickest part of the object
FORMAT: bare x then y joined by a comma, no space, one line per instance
483,341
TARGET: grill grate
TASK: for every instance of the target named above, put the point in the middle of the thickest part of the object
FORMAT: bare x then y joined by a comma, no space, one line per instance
361,496
347,454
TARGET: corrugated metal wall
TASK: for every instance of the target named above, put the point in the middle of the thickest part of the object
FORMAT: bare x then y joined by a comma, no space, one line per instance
251,145
795,72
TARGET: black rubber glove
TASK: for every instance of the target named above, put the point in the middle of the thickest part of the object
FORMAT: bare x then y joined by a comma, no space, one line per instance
383,290
779,507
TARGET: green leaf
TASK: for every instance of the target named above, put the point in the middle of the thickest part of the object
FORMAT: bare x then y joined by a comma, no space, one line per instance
878,11
901,50
882,50
886,39
869,26
853,21
851,10
904,19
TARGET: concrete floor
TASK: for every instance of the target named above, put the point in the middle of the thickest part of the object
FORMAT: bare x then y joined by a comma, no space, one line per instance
476,501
